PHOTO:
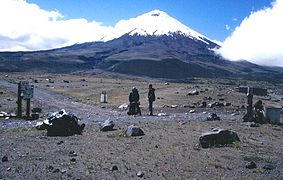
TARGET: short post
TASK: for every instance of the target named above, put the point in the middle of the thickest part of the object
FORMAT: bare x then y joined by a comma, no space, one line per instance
103,97
28,108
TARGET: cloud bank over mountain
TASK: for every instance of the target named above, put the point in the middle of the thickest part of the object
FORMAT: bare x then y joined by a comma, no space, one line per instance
26,26
259,38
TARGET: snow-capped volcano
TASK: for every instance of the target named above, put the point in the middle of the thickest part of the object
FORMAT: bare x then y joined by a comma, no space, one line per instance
154,23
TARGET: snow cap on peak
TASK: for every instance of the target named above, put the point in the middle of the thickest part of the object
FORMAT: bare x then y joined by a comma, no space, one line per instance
155,23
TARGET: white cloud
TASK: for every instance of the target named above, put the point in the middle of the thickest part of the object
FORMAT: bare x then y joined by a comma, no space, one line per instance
259,37
227,27
26,26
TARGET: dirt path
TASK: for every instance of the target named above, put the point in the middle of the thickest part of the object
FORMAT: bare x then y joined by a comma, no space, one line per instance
51,102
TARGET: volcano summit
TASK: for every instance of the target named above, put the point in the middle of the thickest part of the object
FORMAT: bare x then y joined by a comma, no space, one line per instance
153,45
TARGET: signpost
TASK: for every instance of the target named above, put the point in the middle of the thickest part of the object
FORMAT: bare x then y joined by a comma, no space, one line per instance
25,91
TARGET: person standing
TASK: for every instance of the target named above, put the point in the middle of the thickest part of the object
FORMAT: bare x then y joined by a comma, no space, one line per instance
151,98
134,98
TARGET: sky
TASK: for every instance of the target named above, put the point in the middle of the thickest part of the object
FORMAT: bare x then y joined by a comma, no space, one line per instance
239,25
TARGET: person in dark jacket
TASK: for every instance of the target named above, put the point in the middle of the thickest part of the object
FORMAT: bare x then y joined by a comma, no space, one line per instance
151,98
134,98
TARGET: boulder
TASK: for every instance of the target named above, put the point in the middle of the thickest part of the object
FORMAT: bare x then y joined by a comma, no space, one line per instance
134,131
107,125
61,123
218,137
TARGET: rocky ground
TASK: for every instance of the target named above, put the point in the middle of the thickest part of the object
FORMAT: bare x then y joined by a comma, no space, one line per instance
168,150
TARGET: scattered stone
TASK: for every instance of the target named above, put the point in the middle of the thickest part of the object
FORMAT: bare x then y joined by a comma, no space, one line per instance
9,169
108,125
166,83
72,154
207,98
73,160
114,168
162,114
215,104
66,81
63,171
60,142
193,93
140,174
269,167
218,137
134,131
5,159
56,170
174,106
213,117
123,106
203,104
221,99
251,165
10,99
192,111
227,104
1,92
35,81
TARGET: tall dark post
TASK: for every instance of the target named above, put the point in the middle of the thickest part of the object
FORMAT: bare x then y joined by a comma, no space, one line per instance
250,104
28,108
19,102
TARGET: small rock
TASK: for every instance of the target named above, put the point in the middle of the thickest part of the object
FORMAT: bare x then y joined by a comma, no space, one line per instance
269,167
134,131
227,104
213,117
123,106
56,170
9,169
174,106
203,104
162,114
73,160
193,92
140,174
72,154
108,125
192,111
63,171
60,142
114,168
251,165
5,159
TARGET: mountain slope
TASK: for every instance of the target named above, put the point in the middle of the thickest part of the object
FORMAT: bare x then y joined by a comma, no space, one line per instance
153,45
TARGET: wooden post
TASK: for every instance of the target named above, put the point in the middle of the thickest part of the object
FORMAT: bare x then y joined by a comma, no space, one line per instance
28,108
19,102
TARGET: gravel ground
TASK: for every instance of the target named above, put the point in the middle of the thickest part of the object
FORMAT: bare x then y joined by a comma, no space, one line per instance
168,150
